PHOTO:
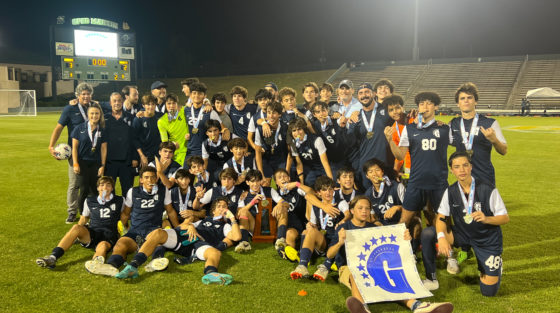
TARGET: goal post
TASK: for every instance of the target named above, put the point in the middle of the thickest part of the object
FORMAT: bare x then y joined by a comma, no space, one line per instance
15,102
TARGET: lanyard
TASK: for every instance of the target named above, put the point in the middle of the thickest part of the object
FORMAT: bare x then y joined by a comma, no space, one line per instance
235,165
101,199
84,115
468,205
196,120
299,142
342,195
420,126
324,220
468,141
183,204
172,117
92,137
369,124
397,128
276,135
327,123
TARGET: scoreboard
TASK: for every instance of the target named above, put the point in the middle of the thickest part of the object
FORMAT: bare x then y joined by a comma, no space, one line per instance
93,49
95,68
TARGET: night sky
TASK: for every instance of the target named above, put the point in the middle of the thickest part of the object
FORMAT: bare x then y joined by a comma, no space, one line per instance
224,37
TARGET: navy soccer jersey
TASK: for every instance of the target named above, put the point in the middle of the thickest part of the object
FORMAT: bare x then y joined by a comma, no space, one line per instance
428,152
233,196
182,202
196,119
482,168
212,231
382,200
206,180
146,135
266,191
326,222
276,141
367,148
103,215
240,119
339,196
85,146
119,137
147,209
348,225
309,151
260,114
287,117
486,199
72,116
216,151
296,199
246,164
334,138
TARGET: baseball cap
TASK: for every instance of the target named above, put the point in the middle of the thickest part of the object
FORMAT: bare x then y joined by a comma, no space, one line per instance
158,84
347,83
365,85
271,85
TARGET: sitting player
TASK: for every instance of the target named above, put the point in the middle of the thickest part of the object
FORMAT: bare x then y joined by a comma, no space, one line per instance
103,213
477,211
228,189
167,166
247,208
240,162
195,165
203,240
144,205
320,229
184,199
215,151
360,209
310,153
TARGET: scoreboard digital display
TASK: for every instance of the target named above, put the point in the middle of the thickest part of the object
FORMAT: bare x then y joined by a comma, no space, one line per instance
95,68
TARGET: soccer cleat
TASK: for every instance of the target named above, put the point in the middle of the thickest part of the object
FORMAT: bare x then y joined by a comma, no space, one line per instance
71,218
128,272
430,284
243,246
49,261
334,268
280,243
462,256
157,264
120,227
299,272
99,259
321,273
452,266
94,267
356,306
427,307
217,278
291,254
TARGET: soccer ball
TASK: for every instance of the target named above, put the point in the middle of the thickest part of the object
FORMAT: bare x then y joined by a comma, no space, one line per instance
62,151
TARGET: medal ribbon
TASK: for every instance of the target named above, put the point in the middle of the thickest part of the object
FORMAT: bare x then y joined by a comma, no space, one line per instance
342,195
92,137
235,165
84,115
299,142
397,128
468,205
324,220
468,142
101,199
183,204
369,124
196,120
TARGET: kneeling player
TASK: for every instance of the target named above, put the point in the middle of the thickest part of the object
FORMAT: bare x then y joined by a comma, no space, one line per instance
103,213
477,211
321,229
144,205
360,209
203,240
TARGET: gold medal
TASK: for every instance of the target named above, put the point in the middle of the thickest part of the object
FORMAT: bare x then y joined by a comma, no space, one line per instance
93,150
272,151
264,203
468,218
323,232
369,135
195,131
470,153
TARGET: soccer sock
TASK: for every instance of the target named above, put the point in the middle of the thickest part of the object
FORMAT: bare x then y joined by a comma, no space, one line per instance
57,252
415,305
244,235
428,238
210,269
139,259
304,256
281,231
115,260
159,252
302,240
222,246
328,263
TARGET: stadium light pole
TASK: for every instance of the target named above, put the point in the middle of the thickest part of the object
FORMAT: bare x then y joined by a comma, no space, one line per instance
415,48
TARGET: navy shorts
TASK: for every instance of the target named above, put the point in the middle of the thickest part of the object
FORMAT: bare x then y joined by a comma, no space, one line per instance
415,198
489,259
98,235
139,236
295,222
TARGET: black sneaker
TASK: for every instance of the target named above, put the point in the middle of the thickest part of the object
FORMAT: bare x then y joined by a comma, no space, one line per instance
71,218
49,261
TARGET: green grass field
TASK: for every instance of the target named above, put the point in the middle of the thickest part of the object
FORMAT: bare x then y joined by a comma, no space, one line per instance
32,213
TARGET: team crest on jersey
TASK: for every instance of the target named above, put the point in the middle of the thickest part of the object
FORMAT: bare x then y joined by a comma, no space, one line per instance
248,115
207,224
233,198
113,207
382,112
217,226
390,199
477,206
189,203
309,151
226,149
156,197
333,132
215,184
293,200
145,124
279,137
436,133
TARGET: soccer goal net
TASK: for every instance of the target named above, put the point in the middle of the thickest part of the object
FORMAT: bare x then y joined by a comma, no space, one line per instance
18,102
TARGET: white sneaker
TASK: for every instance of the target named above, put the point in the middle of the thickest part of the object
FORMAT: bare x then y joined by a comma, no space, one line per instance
430,284
280,243
427,307
453,266
243,246
94,267
157,264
